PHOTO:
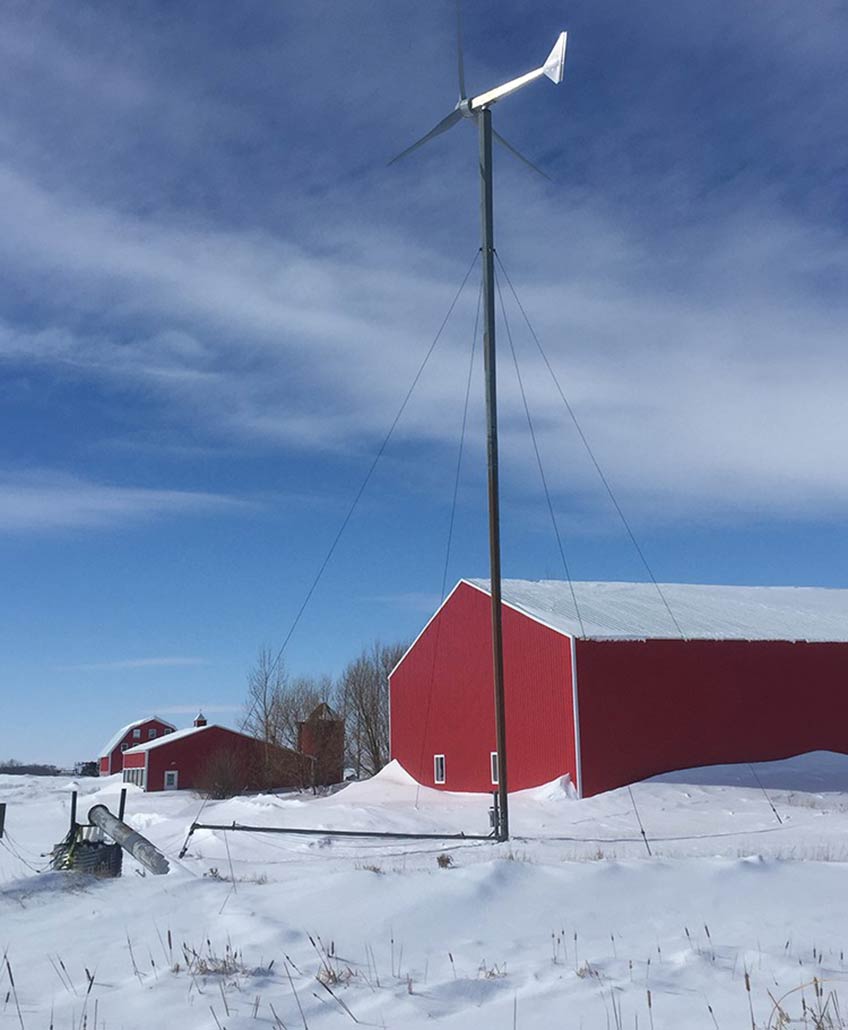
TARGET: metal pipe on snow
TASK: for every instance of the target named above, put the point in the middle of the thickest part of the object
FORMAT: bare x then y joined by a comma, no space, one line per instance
130,840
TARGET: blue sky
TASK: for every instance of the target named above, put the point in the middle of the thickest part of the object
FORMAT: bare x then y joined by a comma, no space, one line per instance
213,295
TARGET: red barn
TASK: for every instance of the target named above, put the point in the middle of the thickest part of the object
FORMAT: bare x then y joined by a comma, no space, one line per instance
622,685
142,730
209,757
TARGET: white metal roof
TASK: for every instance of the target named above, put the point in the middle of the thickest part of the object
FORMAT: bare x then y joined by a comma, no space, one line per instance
635,611
169,738
119,736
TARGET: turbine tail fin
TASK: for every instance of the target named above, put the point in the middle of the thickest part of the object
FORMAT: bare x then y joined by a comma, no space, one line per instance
554,66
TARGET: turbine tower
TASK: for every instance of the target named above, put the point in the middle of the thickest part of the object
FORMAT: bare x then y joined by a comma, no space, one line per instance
479,109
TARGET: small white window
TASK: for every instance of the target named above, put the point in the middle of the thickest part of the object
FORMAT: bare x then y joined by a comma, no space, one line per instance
493,760
171,779
439,768
151,734
124,746
137,734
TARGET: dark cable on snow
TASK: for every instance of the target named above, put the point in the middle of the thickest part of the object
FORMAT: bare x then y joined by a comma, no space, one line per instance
539,462
765,795
9,846
558,839
639,819
591,453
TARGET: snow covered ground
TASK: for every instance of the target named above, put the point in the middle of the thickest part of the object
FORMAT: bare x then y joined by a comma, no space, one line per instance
572,924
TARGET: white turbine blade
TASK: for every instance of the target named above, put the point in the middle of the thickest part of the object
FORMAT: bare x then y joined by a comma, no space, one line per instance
459,59
520,156
446,123
554,66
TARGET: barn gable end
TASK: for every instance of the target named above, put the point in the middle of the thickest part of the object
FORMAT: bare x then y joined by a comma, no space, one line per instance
441,698
111,759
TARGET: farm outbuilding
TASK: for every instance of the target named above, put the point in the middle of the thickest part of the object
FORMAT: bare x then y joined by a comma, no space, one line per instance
217,759
111,758
209,757
609,683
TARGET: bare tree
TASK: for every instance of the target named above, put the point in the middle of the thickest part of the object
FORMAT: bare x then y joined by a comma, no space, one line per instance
275,706
266,688
300,698
364,695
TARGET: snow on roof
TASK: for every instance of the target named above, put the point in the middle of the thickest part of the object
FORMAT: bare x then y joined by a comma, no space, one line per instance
635,611
169,738
119,736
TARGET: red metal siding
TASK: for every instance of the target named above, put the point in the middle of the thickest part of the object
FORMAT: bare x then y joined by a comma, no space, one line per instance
653,706
442,698
190,756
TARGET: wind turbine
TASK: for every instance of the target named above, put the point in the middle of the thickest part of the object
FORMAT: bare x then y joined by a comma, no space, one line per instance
479,109
473,107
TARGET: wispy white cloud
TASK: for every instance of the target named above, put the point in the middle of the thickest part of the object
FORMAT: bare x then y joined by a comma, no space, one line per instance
282,343
125,664
46,501
709,374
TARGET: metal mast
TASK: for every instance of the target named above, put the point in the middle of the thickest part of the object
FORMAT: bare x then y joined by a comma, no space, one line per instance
479,109
484,122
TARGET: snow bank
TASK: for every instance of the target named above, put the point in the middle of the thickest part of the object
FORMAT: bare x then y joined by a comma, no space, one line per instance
567,916
560,789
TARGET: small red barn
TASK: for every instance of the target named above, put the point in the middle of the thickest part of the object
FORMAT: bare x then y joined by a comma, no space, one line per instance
621,685
204,756
140,731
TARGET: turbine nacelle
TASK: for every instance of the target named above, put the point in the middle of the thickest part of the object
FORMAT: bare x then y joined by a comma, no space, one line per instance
553,68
